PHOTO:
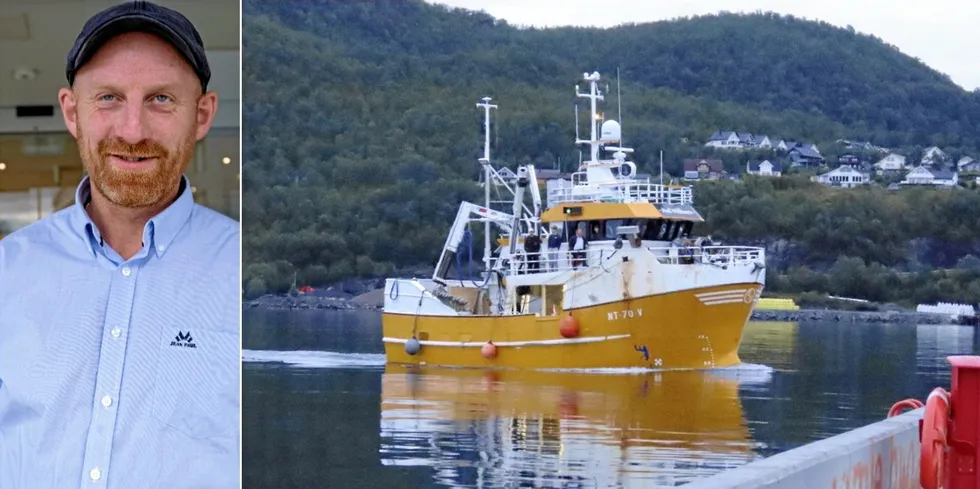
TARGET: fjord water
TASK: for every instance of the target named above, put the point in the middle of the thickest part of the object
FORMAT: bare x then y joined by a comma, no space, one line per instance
321,408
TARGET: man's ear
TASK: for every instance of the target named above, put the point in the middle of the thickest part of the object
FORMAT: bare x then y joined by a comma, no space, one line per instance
69,109
207,107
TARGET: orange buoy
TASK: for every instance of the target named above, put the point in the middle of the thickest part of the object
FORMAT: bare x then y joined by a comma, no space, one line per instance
568,326
935,422
489,350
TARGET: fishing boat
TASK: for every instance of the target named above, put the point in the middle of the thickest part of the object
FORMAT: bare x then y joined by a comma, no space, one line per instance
629,285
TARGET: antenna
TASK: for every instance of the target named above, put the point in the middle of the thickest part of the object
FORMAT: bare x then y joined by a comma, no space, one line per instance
662,169
619,101
486,105
496,132
576,119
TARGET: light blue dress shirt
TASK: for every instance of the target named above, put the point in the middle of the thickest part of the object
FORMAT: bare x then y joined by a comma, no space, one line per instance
121,374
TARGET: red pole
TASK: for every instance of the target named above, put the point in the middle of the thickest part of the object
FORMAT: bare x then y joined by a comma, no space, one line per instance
963,462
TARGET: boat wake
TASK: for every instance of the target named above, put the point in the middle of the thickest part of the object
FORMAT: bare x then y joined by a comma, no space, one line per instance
314,359
747,373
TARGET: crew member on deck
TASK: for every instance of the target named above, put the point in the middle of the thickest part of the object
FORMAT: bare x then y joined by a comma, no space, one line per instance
532,248
554,242
577,245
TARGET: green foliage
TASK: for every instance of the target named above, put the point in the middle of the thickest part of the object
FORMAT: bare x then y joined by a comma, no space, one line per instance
872,224
878,284
362,135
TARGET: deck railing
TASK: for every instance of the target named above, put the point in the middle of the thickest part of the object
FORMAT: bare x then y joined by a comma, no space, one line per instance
555,261
563,261
622,192
715,255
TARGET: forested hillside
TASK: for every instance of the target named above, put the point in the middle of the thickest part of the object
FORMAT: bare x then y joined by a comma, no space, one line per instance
361,132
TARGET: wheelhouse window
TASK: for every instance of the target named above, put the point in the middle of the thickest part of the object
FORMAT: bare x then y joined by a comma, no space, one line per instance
665,230
649,229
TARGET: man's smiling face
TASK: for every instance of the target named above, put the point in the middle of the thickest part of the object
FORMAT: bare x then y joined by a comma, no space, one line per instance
138,112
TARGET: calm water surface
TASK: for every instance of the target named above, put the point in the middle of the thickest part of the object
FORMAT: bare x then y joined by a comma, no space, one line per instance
322,410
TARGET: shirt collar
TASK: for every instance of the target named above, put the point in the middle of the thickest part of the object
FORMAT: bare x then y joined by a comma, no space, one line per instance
159,231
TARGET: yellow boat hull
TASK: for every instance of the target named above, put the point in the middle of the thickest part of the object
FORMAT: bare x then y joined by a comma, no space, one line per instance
690,329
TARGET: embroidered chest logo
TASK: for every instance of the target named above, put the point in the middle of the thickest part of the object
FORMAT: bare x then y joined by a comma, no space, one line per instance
184,340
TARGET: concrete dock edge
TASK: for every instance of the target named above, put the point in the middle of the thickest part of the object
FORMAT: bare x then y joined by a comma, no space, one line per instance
882,455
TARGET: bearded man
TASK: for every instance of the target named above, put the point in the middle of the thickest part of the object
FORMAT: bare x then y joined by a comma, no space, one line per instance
119,316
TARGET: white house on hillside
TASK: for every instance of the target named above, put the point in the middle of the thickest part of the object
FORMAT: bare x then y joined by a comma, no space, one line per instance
861,145
845,176
764,168
738,140
724,139
892,162
967,164
933,155
762,141
922,175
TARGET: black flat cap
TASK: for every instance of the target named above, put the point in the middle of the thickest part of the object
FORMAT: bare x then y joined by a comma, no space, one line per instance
140,16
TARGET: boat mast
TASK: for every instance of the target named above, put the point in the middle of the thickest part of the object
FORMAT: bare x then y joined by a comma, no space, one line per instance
485,161
593,95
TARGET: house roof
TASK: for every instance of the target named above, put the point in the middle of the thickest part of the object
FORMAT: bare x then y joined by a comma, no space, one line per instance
692,164
806,151
776,165
844,170
720,136
936,174
892,156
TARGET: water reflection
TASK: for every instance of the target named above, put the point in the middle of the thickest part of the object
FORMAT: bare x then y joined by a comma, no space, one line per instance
560,429
772,342
935,343
321,408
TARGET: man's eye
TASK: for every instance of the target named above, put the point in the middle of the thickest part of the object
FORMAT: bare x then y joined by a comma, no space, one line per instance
162,99
107,98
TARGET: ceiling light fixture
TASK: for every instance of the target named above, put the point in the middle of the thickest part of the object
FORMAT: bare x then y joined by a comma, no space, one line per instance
25,74
226,160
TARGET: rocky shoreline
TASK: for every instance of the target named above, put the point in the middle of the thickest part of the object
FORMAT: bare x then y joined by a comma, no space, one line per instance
373,301
307,302
889,317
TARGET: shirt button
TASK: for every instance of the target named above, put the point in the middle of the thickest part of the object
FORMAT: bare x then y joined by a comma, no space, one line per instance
106,401
116,332
125,271
95,474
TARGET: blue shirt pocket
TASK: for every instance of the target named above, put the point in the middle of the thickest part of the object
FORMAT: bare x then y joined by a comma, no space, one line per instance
197,382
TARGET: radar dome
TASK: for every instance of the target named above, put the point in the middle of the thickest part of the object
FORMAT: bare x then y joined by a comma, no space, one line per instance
610,132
